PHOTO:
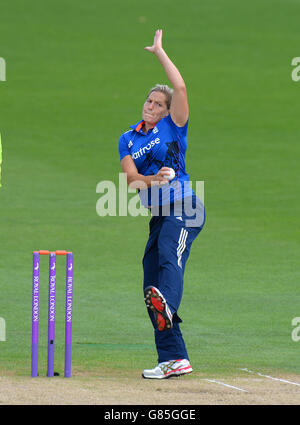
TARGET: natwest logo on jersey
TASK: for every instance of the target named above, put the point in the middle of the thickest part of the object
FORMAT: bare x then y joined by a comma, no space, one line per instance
145,149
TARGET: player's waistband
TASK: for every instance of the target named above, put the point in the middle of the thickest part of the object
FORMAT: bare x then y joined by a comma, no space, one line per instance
187,206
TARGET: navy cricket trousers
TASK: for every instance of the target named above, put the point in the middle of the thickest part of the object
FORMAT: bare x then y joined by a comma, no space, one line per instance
166,253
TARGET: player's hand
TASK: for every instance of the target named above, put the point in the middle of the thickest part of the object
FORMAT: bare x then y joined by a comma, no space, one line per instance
157,43
159,178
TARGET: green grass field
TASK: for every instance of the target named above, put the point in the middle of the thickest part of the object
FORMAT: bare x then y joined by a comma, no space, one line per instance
77,76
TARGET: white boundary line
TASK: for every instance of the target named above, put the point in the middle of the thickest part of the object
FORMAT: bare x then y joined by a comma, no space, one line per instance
225,385
271,377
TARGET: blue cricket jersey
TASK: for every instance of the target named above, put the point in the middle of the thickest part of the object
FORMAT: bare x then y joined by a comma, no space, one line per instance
163,146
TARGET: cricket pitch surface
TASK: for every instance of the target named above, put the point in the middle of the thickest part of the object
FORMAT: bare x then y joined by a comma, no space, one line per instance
246,388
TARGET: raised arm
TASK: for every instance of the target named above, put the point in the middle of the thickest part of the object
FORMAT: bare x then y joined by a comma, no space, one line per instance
179,109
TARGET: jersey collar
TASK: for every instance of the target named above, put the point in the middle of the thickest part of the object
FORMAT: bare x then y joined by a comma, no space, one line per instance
138,127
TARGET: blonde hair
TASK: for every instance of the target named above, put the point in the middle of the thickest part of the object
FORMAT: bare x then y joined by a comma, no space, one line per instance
163,88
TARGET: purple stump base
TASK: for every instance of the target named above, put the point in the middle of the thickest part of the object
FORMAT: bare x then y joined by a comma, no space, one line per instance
34,360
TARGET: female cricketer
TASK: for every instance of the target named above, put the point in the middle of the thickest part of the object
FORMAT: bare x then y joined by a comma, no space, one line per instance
149,153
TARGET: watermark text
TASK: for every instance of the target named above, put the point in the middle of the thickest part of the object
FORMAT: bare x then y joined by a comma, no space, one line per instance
174,198
296,71
2,69
296,330
2,329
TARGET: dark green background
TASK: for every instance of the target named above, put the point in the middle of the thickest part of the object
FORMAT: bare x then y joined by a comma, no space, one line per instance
77,77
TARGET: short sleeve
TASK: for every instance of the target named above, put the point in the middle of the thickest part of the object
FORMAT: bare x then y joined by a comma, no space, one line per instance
181,131
123,147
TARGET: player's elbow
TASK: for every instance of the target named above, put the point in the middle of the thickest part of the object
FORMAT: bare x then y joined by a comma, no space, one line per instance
131,177
180,88
136,181
133,181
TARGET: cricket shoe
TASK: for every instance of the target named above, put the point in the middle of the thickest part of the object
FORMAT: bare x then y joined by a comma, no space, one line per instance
155,301
168,369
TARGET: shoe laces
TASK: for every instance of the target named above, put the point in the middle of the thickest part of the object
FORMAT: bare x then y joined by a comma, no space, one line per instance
167,366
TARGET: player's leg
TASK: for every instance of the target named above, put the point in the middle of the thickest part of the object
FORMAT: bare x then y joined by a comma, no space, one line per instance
169,344
174,245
